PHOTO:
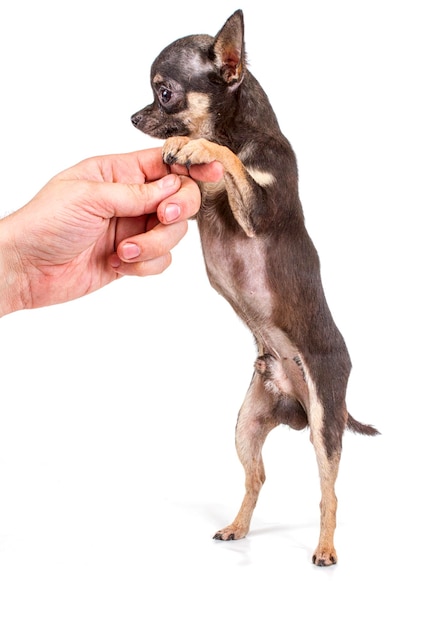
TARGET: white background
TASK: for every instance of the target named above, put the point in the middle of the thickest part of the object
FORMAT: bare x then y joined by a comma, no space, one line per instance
117,411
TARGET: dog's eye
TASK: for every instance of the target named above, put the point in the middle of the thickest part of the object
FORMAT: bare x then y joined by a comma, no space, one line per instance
165,95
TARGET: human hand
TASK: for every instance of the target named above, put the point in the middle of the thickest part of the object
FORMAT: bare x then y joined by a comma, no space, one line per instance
102,218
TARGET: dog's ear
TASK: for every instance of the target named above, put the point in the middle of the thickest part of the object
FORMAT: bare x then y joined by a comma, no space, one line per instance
228,49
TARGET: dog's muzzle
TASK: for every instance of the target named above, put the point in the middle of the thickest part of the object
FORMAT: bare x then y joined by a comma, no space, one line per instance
136,119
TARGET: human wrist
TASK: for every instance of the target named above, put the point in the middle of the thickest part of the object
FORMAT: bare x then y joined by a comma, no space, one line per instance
11,276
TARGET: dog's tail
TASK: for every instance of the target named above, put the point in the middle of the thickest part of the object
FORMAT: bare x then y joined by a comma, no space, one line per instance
361,429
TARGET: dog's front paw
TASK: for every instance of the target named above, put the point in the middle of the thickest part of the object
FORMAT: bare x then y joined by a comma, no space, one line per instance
188,152
172,148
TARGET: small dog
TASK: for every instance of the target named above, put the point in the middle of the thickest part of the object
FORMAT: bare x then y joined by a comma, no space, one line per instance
258,255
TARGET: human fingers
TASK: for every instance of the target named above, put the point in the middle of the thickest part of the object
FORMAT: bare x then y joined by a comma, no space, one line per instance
150,162
176,208
130,200
144,254
207,172
150,267
136,167
182,205
133,167
204,172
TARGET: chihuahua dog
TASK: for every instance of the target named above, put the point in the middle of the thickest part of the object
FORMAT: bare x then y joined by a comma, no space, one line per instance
258,255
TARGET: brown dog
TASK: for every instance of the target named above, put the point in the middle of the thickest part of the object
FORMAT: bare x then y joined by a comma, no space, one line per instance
258,255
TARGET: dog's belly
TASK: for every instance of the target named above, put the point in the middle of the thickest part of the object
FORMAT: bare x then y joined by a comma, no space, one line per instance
237,270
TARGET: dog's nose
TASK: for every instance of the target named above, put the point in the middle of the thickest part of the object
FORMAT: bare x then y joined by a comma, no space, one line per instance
136,119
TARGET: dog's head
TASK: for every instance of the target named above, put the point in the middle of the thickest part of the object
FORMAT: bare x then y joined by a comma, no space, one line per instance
192,80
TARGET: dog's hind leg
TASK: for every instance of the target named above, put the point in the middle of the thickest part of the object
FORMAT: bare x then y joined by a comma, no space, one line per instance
255,421
327,424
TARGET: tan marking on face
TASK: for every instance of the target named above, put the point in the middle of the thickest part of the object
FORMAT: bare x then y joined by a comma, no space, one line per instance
197,116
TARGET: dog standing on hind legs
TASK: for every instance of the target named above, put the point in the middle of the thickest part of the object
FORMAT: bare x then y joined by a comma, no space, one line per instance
258,255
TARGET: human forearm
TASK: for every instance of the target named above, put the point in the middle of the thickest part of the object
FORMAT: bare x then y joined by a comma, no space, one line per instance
12,276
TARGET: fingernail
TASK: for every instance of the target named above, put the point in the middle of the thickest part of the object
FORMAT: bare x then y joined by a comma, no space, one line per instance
168,181
172,212
130,251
